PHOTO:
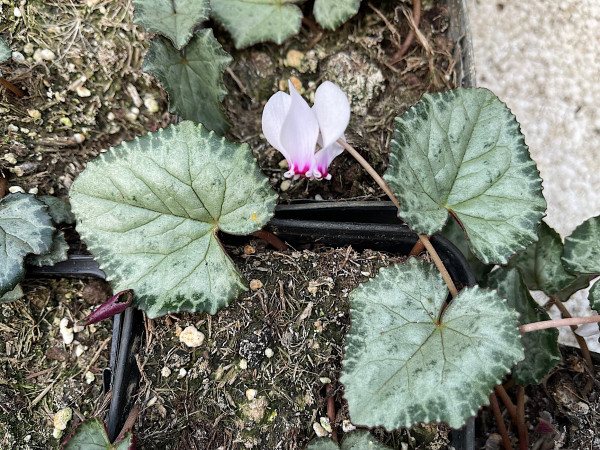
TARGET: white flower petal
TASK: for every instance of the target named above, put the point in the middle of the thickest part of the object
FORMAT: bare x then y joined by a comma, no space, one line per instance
587,329
325,156
299,134
273,117
332,110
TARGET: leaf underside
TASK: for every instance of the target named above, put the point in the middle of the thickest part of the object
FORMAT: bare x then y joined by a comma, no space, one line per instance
25,227
541,347
582,248
401,368
462,151
332,13
91,434
174,19
194,82
540,264
150,208
255,21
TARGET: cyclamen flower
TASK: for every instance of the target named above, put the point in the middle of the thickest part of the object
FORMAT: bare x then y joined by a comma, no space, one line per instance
295,129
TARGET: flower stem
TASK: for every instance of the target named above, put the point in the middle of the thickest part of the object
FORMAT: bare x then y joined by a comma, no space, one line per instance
508,403
500,422
11,87
271,239
422,238
521,425
558,323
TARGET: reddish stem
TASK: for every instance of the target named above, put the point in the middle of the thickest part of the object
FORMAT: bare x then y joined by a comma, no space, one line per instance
521,426
417,249
510,406
500,422
3,184
11,87
554,323
271,239
331,410
416,12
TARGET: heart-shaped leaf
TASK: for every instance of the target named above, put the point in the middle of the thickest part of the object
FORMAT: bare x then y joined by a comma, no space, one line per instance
407,362
193,78
91,434
332,13
13,295
58,252
540,264
582,248
25,227
59,210
454,233
174,19
149,211
4,52
541,347
462,152
252,21
355,440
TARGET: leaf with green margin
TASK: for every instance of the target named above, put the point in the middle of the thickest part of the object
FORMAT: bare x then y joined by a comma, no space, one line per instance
540,264
5,52
401,368
58,252
355,440
91,434
541,347
462,151
454,233
13,295
149,211
252,21
332,13
194,82
175,19
59,210
25,227
582,248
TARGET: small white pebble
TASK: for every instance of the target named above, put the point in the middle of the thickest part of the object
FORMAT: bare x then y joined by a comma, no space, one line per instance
13,128
28,49
82,91
269,353
319,430
110,116
151,105
78,328
325,380
324,421
285,185
61,419
191,337
47,55
243,364
319,197
347,426
18,57
79,138
182,373
17,12
65,331
255,284
79,350
89,377
152,401
33,190
283,164
10,158
34,113
165,372
132,114
15,189
251,394
66,122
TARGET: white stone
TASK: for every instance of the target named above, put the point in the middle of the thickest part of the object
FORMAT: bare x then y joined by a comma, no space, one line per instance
47,55
251,394
66,331
151,105
182,373
165,372
29,48
33,190
285,185
89,377
319,430
82,91
34,113
79,350
347,426
243,364
269,353
191,337
15,189
62,418
324,421
79,138
18,57
17,12
10,157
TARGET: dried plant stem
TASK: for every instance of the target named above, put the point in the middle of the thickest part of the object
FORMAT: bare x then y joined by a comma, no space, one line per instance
422,238
363,162
585,351
3,184
410,37
500,422
557,323
331,411
510,406
521,425
11,87
271,239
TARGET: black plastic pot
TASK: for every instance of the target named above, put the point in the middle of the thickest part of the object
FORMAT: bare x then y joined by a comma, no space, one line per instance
363,225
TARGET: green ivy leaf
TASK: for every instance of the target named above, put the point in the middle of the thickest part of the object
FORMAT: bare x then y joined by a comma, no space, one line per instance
252,21
401,367
5,52
58,252
540,264
59,210
462,152
454,233
332,13
541,347
149,211
193,78
174,19
13,295
582,248
355,440
91,434
25,227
